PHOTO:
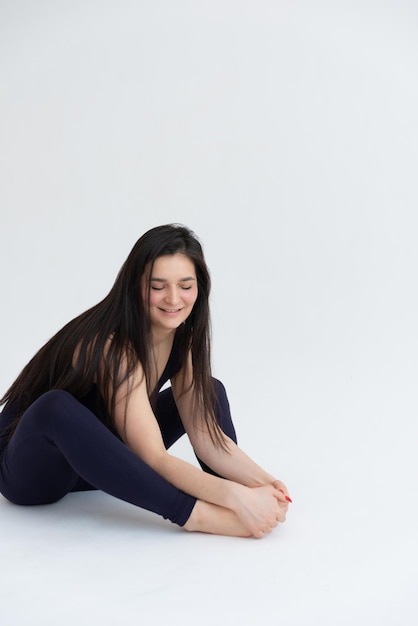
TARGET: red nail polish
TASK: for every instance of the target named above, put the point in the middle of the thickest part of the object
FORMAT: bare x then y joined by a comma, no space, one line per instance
287,497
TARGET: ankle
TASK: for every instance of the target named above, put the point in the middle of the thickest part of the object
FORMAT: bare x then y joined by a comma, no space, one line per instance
193,524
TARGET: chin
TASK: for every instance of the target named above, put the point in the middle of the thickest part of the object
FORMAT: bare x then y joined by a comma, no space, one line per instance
169,325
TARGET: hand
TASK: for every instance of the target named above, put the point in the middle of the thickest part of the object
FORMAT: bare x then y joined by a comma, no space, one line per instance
285,494
260,509
282,487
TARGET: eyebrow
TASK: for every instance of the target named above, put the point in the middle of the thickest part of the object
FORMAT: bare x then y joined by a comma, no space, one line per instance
164,280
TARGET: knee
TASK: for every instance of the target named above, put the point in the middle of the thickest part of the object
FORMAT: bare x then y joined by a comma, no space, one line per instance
53,399
220,392
218,386
51,404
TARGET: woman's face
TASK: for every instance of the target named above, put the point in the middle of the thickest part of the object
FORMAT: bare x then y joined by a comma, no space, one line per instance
172,291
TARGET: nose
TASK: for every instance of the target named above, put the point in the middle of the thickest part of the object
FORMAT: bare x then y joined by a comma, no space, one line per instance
172,295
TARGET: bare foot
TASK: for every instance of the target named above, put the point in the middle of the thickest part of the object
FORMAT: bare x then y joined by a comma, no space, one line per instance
216,520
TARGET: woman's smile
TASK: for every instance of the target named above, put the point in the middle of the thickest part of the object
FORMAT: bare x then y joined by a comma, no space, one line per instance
170,311
172,289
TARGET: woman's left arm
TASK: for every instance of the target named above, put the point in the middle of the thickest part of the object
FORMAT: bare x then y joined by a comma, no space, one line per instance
231,463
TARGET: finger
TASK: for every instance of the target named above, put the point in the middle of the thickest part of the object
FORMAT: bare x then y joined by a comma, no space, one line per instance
283,489
281,496
286,495
284,506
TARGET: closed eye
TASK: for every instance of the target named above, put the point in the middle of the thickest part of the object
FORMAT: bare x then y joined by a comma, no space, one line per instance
161,288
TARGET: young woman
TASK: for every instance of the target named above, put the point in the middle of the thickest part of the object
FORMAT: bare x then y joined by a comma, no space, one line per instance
87,411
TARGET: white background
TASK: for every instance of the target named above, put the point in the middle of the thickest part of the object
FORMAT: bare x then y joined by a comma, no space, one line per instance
286,135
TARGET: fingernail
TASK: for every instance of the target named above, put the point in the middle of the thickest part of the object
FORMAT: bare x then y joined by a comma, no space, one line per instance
287,497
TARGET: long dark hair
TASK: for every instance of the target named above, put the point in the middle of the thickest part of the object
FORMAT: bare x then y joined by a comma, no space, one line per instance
92,347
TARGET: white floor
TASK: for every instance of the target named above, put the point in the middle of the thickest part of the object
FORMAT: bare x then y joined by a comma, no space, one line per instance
346,555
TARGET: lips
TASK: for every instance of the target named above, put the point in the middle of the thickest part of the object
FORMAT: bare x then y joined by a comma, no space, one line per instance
170,310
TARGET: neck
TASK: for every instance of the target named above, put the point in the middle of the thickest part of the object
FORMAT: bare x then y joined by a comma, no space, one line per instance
160,337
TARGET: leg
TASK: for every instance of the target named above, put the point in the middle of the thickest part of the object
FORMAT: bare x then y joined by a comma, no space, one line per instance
172,427
223,411
168,418
223,417
58,441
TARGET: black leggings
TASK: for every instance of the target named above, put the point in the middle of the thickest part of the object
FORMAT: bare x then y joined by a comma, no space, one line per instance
60,446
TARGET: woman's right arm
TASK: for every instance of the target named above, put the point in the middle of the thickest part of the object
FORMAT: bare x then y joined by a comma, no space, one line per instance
223,507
